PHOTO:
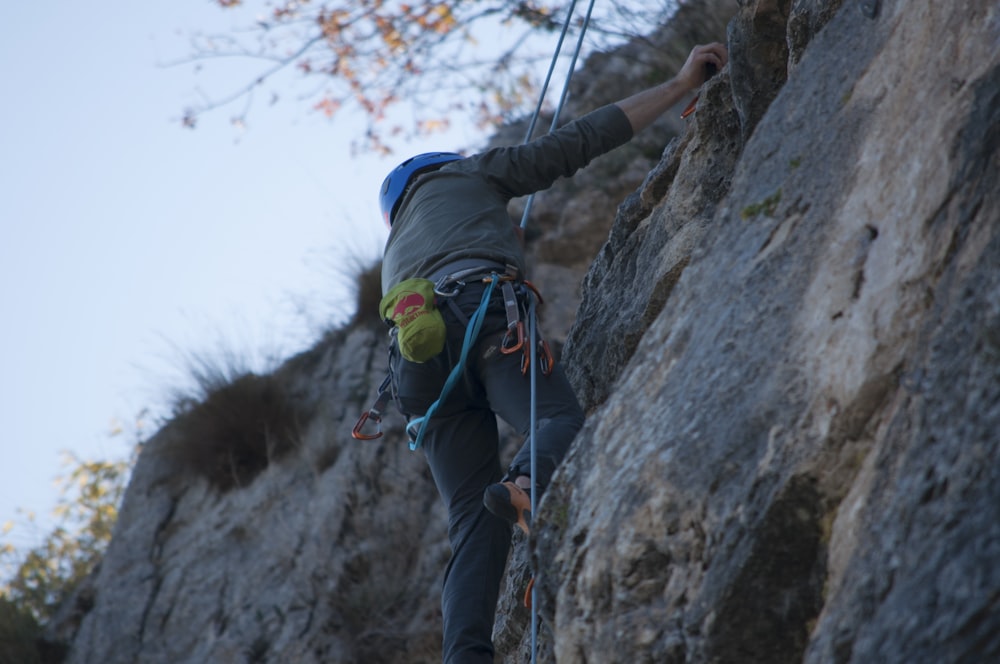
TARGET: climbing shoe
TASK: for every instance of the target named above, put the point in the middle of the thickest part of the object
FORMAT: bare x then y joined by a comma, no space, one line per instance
511,503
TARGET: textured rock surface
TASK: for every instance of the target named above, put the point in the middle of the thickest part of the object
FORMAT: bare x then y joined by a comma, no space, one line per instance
311,561
798,461
788,344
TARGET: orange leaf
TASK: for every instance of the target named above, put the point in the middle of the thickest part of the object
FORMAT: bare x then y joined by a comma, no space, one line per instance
328,106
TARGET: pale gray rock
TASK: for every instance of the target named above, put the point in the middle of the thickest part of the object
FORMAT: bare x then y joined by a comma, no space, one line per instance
798,461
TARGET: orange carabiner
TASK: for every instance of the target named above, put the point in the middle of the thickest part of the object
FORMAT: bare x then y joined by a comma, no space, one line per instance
545,360
535,291
505,346
710,71
526,359
356,433
689,109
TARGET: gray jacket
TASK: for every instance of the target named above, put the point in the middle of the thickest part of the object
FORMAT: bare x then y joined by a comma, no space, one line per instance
460,210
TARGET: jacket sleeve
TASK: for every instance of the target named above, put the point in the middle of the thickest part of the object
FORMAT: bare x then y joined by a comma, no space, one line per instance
534,166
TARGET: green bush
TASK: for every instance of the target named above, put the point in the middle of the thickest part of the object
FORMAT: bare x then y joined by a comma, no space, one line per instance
37,581
19,634
43,576
21,640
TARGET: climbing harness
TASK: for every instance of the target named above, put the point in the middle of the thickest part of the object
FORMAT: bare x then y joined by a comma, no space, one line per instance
513,290
516,293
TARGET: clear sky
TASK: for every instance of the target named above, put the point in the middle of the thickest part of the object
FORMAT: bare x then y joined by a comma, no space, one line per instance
127,241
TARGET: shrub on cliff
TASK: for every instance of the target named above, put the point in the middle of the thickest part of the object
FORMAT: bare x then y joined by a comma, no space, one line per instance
235,430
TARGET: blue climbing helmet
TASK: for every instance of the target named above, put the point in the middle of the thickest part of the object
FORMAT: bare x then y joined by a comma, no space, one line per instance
395,183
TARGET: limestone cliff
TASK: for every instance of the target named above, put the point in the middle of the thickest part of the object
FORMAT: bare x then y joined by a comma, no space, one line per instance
788,345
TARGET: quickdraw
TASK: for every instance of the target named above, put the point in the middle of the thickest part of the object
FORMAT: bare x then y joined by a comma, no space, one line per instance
374,414
545,360
514,322
515,338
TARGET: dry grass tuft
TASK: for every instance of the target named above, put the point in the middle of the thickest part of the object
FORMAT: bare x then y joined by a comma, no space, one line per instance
367,280
237,430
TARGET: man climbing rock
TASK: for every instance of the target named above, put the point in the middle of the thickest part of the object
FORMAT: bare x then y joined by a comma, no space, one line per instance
450,233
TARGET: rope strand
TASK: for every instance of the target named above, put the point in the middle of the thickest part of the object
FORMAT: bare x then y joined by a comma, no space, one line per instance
532,319
565,90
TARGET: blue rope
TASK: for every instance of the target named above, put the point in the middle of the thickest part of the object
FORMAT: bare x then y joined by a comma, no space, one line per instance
418,426
552,68
532,320
533,349
565,90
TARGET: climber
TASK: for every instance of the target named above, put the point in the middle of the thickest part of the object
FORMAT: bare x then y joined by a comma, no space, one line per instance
449,225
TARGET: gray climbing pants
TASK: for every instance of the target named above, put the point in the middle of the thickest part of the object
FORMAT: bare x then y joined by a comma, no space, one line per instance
461,445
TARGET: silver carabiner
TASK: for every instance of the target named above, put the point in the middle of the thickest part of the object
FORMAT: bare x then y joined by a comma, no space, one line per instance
446,280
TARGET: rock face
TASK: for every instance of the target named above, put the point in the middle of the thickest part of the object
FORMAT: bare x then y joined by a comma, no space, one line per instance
797,458
788,345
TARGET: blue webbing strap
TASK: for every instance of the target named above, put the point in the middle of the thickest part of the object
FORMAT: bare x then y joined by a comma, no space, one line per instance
418,426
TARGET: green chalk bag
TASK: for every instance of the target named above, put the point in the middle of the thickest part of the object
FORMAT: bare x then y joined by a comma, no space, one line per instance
409,306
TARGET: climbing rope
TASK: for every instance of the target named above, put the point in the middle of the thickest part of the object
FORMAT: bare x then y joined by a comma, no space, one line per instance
532,319
533,415
565,90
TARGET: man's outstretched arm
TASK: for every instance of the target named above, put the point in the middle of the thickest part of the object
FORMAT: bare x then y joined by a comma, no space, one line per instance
643,108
